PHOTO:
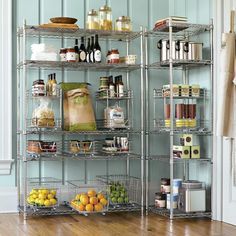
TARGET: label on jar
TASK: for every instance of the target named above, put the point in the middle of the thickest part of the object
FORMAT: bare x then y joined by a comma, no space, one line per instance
165,188
70,56
63,56
82,56
114,57
160,203
97,56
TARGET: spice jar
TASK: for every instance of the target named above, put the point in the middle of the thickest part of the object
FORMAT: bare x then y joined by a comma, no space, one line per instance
74,146
38,88
70,55
114,56
105,18
165,185
92,20
160,200
63,54
123,23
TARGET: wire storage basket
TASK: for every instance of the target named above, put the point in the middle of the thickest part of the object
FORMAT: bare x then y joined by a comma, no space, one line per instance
88,198
124,190
43,193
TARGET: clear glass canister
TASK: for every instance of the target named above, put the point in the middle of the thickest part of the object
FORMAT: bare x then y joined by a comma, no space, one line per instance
123,23
92,20
105,18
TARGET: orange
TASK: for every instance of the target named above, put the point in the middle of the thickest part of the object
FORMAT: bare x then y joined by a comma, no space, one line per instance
80,207
98,207
89,207
103,201
100,196
93,200
92,193
84,199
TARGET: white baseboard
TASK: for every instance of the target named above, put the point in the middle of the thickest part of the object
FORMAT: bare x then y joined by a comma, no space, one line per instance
8,200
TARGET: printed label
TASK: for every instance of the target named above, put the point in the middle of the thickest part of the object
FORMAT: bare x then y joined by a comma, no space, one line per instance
97,56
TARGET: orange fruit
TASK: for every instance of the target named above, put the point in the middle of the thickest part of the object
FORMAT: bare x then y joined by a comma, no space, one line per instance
84,199
92,193
103,201
93,200
89,207
80,207
100,196
98,207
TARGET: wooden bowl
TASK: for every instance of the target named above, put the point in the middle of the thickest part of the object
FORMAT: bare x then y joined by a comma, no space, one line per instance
63,20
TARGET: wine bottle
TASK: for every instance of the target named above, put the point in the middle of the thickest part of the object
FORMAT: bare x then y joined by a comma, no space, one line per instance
76,50
91,53
87,51
97,51
82,51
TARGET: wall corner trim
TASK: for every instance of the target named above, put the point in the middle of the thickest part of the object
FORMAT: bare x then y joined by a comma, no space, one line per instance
5,167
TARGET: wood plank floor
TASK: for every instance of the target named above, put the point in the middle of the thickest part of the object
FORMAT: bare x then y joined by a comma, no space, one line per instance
114,224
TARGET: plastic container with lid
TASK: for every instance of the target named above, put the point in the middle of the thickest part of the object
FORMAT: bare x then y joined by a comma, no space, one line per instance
123,23
105,18
92,20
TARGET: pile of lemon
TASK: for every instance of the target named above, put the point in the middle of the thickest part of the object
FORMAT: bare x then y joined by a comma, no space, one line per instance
89,202
42,197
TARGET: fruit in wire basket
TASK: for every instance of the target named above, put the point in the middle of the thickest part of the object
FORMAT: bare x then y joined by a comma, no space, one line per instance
89,202
42,197
118,193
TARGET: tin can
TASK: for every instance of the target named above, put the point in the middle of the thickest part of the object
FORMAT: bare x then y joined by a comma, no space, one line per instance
124,144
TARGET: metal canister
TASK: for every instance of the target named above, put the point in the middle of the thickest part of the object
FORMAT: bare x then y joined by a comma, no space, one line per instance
195,51
124,144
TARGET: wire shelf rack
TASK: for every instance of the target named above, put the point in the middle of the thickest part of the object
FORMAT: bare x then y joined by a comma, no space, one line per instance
166,159
179,64
31,95
37,31
44,124
201,128
180,30
80,66
158,93
104,95
180,214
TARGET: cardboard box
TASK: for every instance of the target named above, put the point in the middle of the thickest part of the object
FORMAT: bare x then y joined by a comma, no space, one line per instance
181,152
195,151
185,91
195,90
166,90
186,140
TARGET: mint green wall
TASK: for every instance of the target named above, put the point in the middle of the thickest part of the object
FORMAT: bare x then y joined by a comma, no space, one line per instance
142,12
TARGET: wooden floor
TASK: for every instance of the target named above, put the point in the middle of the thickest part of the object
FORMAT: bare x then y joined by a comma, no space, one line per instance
112,224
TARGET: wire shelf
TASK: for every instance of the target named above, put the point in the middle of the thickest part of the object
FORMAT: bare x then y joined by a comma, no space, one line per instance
166,158
158,93
47,124
37,31
180,214
180,30
31,95
80,66
179,64
201,128
104,95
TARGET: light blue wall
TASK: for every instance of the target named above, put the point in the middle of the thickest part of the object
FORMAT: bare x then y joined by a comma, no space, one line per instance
142,12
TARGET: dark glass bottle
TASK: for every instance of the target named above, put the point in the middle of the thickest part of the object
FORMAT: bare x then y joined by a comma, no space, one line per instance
82,51
97,51
91,52
76,47
87,51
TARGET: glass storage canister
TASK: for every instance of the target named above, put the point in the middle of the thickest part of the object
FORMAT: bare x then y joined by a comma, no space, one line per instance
70,55
105,18
123,23
38,88
114,56
92,20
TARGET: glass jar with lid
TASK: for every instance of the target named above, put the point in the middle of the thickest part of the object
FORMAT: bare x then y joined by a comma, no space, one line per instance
123,23
92,20
105,18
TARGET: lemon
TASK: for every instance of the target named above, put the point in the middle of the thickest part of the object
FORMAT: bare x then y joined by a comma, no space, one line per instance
41,202
54,192
50,196
42,196
45,191
47,203
34,196
53,201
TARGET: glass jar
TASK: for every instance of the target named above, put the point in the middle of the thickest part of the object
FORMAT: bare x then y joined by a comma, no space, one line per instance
114,56
70,55
63,54
92,20
38,88
123,23
105,18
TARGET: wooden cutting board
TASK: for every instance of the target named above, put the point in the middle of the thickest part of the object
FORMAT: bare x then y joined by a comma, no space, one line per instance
58,25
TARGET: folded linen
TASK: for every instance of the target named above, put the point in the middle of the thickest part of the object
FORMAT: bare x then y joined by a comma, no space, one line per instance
44,56
42,47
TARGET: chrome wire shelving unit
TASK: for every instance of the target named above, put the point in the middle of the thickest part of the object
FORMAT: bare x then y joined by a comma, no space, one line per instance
158,124
29,130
